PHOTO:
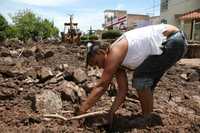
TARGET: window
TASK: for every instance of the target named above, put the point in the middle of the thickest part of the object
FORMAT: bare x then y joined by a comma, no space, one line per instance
164,21
164,5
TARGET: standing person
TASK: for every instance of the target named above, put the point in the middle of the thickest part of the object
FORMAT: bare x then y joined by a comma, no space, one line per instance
148,51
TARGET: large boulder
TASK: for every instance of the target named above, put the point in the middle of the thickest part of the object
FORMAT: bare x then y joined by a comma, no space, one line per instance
48,102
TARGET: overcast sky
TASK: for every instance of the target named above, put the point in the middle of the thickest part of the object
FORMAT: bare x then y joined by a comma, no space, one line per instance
86,12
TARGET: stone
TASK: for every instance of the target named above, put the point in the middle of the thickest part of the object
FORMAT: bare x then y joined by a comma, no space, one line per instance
80,75
7,73
27,53
8,61
184,76
31,72
71,92
193,76
44,74
5,53
14,53
48,54
48,102
95,72
34,49
68,76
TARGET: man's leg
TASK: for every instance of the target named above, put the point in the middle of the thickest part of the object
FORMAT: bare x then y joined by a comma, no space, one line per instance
146,100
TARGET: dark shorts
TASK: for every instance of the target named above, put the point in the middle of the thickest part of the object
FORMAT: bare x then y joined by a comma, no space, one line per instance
151,70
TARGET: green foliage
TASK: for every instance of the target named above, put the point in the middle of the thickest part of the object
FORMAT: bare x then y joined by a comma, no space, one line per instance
11,31
93,37
111,34
28,26
85,37
3,28
89,37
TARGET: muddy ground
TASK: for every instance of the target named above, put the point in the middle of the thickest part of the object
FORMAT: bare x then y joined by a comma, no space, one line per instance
176,98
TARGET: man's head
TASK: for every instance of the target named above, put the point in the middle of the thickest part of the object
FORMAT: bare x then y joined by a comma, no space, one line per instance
96,54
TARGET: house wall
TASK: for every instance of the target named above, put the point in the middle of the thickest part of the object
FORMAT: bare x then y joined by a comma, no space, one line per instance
133,20
178,7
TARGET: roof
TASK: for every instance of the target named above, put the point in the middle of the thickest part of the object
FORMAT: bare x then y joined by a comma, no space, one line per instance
109,10
190,15
138,15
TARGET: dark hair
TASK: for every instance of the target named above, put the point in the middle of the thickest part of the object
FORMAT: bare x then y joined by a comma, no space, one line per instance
92,48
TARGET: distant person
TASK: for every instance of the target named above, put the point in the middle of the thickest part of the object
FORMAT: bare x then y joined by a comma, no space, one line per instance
148,51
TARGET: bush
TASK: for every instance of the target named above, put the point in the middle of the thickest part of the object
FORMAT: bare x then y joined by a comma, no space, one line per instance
3,28
111,34
93,37
89,37
83,38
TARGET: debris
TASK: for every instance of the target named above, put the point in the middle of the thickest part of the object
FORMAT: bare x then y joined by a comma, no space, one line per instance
44,74
71,91
184,76
27,53
48,54
48,102
76,117
194,76
7,61
80,75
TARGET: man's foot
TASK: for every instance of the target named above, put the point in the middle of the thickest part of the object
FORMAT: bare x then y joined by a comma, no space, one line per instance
151,119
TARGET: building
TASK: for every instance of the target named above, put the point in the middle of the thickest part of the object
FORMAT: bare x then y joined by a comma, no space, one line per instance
184,14
155,20
120,19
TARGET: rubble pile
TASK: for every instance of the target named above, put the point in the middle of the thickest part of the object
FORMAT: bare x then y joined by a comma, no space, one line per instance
51,78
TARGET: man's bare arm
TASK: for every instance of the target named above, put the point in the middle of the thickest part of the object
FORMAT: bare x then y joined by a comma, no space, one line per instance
122,90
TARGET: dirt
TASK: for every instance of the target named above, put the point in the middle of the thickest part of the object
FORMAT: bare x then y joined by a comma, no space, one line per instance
176,98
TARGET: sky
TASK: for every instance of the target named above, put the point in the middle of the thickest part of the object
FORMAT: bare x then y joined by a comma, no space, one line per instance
86,12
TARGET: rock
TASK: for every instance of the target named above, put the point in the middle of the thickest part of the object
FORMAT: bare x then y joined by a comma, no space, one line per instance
44,74
14,53
196,99
94,72
5,53
62,67
34,49
39,54
48,102
48,54
14,43
71,92
31,72
193,76
27,53
80,75
9,73
184,76
8,61
68,76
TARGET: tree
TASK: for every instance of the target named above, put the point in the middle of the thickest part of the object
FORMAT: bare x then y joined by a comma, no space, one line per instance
30,26
3,28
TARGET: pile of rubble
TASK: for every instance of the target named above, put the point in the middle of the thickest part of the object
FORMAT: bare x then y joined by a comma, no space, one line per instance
42,78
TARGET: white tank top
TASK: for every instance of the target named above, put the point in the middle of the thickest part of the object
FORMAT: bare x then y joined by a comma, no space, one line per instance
143,42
